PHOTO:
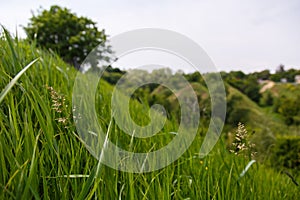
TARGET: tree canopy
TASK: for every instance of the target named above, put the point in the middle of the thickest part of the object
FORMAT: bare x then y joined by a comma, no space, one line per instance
72,37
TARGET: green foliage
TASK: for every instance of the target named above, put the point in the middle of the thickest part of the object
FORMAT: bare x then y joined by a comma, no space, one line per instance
247,84
266,99
194,77
72,37
112,77
286,153
263,75
281,73
236,114
42,156
275,77
252,90
264,140
289,108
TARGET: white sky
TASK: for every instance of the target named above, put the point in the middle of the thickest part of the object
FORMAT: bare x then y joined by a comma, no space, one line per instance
247,35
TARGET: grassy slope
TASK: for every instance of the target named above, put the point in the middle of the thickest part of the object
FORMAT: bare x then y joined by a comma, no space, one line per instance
264,117
41,157
288,89
257,118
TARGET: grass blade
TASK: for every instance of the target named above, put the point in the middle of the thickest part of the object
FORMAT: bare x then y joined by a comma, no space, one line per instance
15,79
247,168
10,43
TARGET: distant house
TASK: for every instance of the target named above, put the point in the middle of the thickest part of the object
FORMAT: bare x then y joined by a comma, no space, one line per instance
283,80
297,79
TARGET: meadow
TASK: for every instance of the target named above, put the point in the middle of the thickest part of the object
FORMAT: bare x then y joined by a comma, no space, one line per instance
43,157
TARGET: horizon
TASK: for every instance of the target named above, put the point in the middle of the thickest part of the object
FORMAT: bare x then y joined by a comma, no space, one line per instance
249,37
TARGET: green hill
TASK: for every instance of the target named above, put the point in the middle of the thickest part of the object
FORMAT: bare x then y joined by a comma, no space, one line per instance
42,155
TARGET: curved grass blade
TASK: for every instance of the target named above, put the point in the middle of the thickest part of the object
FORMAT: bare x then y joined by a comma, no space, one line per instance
15,79
9,40
247,167
291,177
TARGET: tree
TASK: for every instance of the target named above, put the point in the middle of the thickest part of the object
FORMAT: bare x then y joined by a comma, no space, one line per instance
251,89
247,84
72,37
267,99
289,108
280,69
263,75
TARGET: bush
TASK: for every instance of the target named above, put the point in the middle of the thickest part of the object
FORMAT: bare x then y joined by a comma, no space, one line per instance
289,108
266,99
286,153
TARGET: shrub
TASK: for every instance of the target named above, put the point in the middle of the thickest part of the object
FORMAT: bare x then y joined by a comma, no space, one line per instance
286,153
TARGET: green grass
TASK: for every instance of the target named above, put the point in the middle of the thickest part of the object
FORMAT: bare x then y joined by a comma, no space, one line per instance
288,89
42,157
262,119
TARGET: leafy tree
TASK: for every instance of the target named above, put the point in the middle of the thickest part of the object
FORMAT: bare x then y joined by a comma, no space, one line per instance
289,108
72,37
290,75
244,83
264,75
286,153
251,89
280,69
194,77
276,77
238,74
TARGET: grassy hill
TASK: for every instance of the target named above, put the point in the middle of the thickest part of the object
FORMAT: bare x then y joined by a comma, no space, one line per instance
43,157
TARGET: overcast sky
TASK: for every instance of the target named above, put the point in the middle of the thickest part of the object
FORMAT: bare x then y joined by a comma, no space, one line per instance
238,35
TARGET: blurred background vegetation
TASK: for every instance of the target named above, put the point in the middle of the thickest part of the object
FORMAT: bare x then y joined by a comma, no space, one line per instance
40,150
